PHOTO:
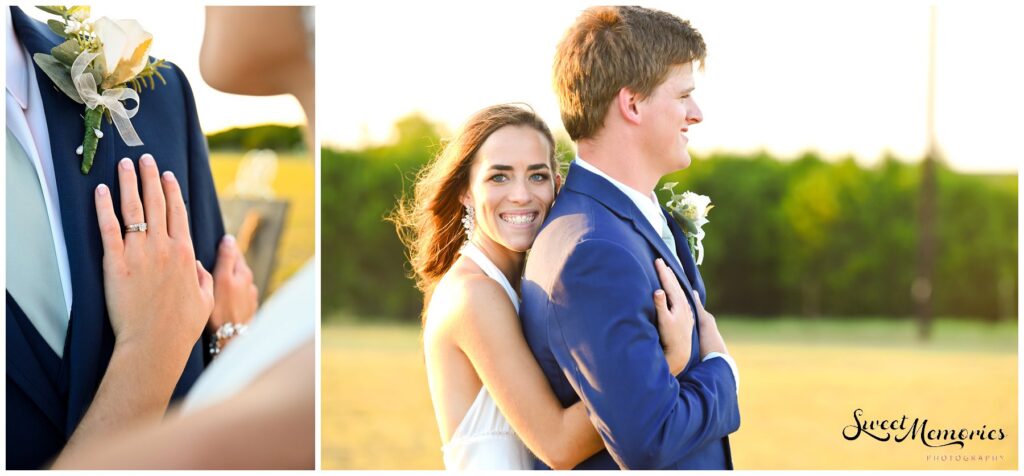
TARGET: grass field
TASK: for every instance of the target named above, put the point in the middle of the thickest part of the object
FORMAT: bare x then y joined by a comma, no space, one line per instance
800,384
294,182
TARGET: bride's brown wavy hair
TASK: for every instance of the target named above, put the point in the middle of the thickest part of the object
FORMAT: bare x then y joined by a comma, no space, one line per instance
430,223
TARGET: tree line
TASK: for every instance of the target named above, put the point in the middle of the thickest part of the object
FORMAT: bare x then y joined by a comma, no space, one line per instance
802,236
267,136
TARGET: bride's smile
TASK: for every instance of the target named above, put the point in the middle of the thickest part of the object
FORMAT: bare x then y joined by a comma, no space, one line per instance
526,218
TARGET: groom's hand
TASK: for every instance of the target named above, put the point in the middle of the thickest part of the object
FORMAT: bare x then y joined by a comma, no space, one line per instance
710,339
158,296
235,295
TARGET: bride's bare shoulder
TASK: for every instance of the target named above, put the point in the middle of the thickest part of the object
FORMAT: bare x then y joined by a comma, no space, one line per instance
463,296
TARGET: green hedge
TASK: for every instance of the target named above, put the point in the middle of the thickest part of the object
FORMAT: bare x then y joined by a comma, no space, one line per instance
801,236
268,136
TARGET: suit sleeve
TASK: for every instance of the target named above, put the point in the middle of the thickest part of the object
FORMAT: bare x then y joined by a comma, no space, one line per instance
611,354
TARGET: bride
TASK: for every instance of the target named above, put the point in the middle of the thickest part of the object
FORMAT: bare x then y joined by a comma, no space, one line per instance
476,211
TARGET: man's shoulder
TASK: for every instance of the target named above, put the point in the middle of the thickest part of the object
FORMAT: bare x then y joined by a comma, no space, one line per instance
577,227
172,72
576,217
168,106
171,83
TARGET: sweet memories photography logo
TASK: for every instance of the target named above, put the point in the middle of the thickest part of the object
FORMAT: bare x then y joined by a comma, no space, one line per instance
901,429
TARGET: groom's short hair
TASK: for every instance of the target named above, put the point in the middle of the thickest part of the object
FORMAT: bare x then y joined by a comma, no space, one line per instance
610,48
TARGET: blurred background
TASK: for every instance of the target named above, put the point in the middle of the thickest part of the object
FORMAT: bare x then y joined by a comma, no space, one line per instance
263,171
862,252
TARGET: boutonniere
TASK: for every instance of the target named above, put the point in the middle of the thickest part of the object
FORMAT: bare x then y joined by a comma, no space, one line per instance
691,211
95,65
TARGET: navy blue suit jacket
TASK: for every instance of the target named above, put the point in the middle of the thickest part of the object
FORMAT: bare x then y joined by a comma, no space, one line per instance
588,315
46,395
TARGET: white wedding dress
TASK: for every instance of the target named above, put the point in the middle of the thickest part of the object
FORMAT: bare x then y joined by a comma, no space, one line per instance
484,440
286,321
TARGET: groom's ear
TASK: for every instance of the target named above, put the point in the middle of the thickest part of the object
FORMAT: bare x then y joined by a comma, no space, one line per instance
627,102
558,181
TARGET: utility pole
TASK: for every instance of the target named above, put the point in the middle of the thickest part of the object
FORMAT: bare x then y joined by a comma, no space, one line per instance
922,287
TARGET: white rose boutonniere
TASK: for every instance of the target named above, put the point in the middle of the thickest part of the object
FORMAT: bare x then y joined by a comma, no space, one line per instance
691,211
125,50
95,66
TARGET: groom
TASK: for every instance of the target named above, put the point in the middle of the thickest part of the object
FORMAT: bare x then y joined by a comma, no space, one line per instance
59,340
624,76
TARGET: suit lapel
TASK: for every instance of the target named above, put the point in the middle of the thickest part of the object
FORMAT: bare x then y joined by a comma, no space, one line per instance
90,339
26,368
685,257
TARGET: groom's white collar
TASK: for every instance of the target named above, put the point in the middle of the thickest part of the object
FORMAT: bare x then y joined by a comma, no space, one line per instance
17,66
648,205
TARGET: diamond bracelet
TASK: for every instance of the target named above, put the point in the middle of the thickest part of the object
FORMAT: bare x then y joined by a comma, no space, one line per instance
223,334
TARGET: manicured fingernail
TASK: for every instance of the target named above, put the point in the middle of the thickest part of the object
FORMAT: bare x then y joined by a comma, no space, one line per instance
102,189
126,163
168,175
147,160
229,240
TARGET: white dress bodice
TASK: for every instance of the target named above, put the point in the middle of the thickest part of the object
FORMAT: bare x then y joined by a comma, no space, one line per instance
484,439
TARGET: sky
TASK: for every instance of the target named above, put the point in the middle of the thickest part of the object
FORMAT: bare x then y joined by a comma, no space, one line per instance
177,37
840,78
835,77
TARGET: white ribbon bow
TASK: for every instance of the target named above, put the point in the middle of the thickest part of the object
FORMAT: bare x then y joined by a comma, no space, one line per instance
111,99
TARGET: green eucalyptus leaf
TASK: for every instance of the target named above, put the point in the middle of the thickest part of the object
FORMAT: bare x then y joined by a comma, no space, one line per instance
669,185
56,27
59,74
688,226
53,9
67,52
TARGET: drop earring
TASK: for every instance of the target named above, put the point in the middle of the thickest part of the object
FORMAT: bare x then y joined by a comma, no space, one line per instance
467,222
